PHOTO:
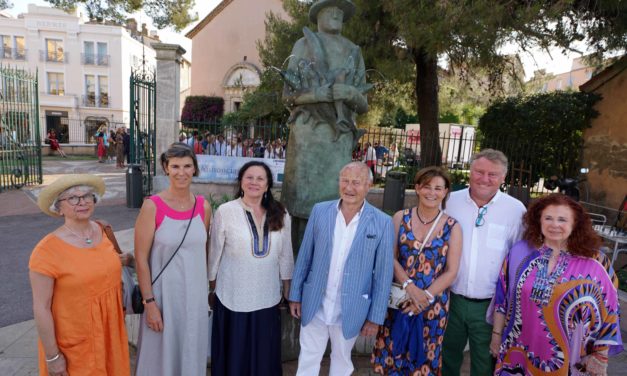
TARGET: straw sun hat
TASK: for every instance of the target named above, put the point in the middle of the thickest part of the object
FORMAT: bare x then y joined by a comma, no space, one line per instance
52,191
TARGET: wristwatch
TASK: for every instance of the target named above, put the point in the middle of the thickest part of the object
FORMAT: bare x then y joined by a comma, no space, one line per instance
149,300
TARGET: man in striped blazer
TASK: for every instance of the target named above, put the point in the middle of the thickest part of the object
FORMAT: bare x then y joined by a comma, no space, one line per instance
343,274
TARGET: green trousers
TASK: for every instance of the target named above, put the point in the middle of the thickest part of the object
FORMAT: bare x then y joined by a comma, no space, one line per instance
466,323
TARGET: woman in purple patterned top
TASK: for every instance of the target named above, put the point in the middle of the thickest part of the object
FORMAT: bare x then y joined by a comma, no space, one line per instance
555,307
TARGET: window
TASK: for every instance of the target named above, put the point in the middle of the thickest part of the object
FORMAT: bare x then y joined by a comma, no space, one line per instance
55,83
103,90
559,85
20,48
103,58
54,50
88,57
6,47
90,90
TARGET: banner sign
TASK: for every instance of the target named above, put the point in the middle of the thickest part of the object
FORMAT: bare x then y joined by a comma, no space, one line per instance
220,169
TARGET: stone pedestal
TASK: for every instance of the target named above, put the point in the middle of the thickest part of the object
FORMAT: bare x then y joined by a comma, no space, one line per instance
169,58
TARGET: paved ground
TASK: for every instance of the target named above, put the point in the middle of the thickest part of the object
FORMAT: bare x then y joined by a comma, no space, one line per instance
22,226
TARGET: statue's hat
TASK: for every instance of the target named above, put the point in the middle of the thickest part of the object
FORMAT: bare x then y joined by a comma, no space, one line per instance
346,6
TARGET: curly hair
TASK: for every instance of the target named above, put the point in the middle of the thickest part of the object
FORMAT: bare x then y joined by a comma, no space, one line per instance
583,240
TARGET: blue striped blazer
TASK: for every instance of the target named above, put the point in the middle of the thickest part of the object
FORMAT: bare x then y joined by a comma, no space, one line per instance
368,269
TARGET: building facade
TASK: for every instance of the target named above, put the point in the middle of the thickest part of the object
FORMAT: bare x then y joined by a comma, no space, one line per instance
605,142
224,49
83,68
580,72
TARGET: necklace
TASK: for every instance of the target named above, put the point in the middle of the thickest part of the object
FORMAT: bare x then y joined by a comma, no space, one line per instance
544,282
422,220
87,239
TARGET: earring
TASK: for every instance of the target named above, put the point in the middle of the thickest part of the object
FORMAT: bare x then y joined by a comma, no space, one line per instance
265,195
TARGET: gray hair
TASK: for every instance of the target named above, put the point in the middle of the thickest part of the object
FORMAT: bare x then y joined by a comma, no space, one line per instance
54,207
495,156
358,165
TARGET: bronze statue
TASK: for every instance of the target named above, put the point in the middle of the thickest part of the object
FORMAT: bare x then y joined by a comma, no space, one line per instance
325,86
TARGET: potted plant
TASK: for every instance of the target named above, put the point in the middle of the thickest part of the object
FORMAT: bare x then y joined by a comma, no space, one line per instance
459,179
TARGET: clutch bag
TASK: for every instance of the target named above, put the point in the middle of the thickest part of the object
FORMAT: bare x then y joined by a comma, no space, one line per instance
397,296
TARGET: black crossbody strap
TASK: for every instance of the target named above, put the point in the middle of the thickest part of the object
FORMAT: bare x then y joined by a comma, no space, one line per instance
179,247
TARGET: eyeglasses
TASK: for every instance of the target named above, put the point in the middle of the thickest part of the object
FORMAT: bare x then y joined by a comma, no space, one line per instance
74,200
480,221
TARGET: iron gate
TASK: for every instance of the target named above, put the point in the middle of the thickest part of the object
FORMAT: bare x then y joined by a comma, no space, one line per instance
20,138
143,124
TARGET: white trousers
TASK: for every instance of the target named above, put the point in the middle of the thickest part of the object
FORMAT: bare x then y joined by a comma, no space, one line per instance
313,343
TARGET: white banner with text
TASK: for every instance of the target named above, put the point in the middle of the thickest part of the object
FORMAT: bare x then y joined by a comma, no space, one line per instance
219,169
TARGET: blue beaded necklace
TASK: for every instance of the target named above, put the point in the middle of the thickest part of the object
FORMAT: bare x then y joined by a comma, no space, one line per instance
544,282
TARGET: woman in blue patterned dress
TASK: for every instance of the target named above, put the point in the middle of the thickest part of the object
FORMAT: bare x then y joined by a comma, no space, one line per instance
410,340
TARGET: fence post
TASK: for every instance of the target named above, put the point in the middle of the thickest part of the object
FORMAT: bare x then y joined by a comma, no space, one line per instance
169,58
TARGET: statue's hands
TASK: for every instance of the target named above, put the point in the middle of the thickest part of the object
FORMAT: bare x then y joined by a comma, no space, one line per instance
324,94
343,92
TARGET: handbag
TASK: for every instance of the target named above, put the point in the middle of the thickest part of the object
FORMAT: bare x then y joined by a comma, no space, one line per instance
398,295
136,296
129,279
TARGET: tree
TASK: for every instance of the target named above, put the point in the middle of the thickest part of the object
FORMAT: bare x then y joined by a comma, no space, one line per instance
403,42
5,4
545,131
470,33
164,13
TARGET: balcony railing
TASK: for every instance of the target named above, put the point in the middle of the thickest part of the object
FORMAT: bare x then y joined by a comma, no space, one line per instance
13,54
94,59
53,56
92,100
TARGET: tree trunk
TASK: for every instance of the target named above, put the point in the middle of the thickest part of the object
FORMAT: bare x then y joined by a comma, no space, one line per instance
427,101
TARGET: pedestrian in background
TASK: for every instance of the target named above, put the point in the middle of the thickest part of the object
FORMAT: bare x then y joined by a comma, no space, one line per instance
101,141
111,148
75,275
127,145
250,266
119,148
174,327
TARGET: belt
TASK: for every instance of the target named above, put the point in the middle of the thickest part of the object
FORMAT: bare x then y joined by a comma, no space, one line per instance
474,300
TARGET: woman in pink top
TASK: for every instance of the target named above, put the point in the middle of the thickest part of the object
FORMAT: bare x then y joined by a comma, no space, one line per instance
174,326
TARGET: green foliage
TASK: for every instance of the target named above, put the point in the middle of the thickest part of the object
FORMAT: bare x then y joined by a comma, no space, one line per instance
5,4
216,202
549,126
201,108
164,13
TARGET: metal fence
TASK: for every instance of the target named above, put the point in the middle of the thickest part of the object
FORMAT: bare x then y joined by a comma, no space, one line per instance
399,149
20,139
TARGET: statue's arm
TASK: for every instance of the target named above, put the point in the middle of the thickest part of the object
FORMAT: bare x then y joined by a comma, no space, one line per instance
303,94
350,94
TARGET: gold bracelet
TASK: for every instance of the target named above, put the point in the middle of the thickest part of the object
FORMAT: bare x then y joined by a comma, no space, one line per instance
497,333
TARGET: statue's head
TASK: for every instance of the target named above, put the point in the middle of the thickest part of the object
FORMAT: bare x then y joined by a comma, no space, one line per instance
325,10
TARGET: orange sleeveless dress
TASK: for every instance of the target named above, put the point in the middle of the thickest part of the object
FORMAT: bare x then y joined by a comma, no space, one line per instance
86,306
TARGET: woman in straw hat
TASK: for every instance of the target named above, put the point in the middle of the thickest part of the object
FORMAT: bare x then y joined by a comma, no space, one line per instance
171,261
75,277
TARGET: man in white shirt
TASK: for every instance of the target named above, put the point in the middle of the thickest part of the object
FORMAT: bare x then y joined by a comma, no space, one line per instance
220,146
343,274
491,223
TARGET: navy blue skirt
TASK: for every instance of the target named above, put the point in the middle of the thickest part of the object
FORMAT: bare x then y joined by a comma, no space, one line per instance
246,343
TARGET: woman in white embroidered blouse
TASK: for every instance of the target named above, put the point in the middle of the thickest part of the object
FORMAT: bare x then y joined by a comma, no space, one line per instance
250,262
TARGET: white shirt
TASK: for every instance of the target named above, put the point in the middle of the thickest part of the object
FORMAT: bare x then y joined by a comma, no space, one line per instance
220,148
484,247
343,236
244,282
371,154
234,151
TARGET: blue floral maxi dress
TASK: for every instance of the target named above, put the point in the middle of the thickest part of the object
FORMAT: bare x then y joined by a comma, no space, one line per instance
412,345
